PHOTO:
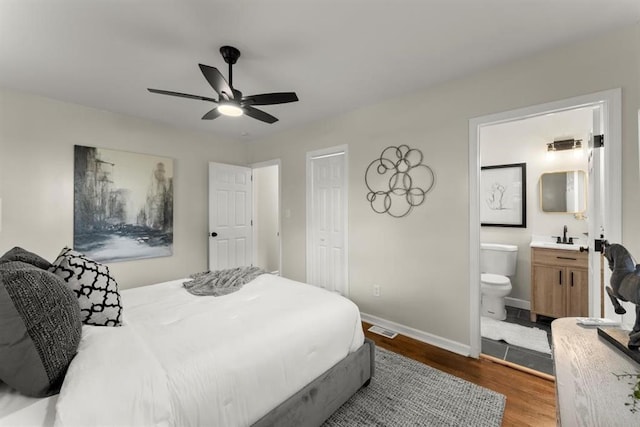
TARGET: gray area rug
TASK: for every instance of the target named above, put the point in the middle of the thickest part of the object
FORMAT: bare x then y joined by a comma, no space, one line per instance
404,392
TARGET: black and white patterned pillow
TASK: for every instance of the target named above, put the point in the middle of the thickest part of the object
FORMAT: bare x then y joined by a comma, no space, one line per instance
96,289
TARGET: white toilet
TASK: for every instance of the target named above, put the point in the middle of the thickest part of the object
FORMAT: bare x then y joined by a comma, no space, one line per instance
497,262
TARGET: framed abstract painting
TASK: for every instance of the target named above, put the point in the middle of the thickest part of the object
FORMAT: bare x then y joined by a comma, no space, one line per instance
123,204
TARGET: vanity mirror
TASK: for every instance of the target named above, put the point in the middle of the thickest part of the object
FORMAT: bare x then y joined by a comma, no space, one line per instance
563,191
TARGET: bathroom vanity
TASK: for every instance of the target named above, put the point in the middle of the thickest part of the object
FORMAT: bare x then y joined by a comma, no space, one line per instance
559,281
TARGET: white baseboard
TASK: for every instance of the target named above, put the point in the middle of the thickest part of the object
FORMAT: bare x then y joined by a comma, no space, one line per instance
425,337
517,303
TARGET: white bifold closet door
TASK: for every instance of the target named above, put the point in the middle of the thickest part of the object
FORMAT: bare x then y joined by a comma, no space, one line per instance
327,221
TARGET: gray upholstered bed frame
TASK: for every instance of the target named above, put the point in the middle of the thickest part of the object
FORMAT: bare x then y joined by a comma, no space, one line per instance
312,405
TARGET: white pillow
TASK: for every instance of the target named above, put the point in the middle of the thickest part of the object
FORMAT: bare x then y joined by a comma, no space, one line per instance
96,289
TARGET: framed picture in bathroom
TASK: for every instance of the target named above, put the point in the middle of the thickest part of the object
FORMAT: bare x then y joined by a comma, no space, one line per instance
503,195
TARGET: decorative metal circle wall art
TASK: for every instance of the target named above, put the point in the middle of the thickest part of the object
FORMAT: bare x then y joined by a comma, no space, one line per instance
398,181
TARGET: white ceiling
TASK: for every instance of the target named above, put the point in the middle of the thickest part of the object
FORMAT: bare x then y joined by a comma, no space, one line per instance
338,55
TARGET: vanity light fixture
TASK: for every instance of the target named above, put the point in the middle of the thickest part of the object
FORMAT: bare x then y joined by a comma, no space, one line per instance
565,144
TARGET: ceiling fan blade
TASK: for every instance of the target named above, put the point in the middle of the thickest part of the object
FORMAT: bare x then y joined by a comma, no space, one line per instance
270,98
259,114
217,82
212,114
182,95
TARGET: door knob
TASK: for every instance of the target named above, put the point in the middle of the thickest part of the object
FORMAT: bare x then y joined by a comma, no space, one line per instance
214,234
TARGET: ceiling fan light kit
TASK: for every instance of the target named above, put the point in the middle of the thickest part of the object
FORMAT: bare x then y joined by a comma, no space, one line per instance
230,101
229,109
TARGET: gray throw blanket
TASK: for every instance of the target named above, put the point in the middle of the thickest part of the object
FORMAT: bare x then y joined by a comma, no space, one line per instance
221,282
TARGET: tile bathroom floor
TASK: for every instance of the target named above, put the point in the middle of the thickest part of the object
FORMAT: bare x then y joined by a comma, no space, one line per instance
522,356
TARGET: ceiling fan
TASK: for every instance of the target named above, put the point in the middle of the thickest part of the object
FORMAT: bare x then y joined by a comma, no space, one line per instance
230,101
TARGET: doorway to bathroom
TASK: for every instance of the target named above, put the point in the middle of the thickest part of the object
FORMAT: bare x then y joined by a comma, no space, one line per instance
522,136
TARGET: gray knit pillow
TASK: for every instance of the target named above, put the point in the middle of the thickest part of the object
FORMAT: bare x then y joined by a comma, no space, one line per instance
19,254
40,329
94,286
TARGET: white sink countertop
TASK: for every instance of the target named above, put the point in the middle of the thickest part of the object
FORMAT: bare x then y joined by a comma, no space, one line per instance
549,242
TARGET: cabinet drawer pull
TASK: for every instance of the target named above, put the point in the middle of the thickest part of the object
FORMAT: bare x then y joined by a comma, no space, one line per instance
566,257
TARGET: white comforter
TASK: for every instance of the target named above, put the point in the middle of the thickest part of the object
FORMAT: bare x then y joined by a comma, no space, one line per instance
225,361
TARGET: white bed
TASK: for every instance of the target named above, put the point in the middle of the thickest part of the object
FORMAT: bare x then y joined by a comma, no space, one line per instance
187,360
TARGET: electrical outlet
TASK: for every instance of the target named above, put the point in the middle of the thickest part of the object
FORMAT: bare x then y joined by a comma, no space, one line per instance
376,290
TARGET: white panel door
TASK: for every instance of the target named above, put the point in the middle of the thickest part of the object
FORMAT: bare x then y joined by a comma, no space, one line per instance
595,212
597,200
327,222
230,204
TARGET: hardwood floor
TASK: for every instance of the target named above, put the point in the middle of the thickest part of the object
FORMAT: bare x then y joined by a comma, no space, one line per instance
531,400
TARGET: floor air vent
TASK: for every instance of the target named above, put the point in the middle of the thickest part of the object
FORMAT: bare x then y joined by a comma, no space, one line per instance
382,331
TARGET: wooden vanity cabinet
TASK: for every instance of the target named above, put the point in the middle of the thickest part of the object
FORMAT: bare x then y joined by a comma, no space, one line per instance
559,283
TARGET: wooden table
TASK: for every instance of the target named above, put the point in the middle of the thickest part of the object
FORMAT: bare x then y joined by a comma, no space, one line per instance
587,391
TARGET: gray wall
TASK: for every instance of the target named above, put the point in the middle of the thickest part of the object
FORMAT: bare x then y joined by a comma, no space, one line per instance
37,136
421,261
